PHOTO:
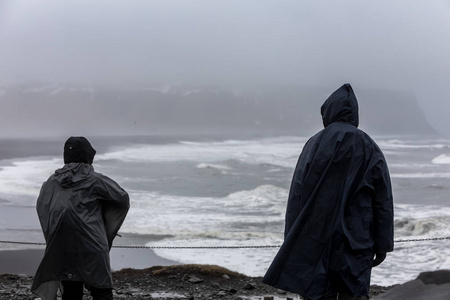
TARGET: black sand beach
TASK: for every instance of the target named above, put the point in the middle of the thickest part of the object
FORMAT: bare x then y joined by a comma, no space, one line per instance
211,282
140,274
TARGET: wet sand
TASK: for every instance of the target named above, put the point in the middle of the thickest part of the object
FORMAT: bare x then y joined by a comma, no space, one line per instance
27,261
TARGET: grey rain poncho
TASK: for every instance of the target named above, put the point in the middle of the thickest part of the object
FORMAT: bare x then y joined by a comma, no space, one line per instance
80,212
340,208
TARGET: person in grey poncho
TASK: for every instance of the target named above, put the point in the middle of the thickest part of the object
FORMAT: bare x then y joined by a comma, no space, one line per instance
80,212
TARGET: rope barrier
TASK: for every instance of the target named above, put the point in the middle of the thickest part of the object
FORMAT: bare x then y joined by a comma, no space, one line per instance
200,247
423,240
216,247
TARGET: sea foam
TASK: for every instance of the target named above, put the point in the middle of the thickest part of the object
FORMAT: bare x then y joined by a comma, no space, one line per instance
441,159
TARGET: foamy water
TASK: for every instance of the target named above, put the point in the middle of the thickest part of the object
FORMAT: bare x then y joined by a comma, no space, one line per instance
233,193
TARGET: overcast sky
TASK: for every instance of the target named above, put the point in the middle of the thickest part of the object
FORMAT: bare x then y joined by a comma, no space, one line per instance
402,44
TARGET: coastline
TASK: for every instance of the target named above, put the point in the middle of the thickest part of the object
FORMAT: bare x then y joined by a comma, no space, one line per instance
135,275
176,282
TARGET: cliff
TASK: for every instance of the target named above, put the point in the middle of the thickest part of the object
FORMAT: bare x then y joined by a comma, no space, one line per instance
49,110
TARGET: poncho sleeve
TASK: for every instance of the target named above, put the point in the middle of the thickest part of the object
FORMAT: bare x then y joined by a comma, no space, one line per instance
383,211
295,201
43,205
115,204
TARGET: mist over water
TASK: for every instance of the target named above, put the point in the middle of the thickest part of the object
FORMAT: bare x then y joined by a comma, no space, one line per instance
76,46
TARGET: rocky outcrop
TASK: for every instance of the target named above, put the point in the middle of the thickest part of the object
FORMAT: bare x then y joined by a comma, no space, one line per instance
428,285
178,282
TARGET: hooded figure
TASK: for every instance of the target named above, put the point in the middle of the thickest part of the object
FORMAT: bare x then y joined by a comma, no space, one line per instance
80,212
339,212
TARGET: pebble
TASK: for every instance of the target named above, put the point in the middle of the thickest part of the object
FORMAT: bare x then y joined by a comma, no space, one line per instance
194,279
249,286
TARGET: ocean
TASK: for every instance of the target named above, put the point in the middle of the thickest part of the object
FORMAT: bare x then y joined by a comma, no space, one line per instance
192,191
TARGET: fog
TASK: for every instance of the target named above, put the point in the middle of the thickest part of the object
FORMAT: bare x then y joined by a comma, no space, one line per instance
400,45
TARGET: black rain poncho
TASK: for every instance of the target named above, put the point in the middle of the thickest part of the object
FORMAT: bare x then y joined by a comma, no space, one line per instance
339,211
80,212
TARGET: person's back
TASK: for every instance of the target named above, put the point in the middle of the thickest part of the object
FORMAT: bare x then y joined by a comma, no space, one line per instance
339,211
80,212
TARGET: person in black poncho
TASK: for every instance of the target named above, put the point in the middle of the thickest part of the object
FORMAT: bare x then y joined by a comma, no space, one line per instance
80,212
339,217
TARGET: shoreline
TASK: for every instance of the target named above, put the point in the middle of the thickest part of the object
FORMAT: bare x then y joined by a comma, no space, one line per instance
140,274
175,282
26,261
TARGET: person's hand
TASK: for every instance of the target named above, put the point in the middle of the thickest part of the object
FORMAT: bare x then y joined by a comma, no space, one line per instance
379,258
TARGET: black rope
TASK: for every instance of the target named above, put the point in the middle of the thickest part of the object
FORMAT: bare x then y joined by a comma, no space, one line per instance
198,247
216,247
423,240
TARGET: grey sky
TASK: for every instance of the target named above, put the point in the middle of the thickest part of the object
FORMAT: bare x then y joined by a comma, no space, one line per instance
402,44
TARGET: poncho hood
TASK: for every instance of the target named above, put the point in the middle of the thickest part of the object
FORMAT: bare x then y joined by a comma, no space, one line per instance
73,174
341,106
